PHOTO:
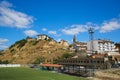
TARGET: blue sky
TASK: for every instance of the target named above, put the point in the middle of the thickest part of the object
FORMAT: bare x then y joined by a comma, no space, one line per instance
60,19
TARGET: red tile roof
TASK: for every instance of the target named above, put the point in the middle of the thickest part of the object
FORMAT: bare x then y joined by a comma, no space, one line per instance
51,65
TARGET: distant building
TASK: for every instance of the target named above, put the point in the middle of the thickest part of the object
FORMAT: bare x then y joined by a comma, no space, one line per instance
117,47
64,43
74,39
43,37
101,46
79,45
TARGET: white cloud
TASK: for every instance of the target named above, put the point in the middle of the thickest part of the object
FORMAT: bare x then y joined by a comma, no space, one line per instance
12,18
110,26
31,33
2,41
44,29
58,39
2,47
107,26
53,33
5,4
75,29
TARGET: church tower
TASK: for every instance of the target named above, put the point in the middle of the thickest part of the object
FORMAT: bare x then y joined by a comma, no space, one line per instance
74,39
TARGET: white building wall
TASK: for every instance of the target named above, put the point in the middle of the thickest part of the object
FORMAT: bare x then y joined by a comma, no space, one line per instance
42,37
101,46
95,45
88,46
10,65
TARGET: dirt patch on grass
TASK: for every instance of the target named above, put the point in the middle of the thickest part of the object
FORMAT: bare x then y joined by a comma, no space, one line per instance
111,74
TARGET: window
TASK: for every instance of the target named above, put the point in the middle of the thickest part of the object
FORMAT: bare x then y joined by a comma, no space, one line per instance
98,61
87,61
84,61
81,61
91,61
94,61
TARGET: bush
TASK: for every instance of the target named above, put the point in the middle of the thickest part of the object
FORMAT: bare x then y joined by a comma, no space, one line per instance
5,62
12,50
20,43
67,55
28,37
0,62
35,42
39,60
1,51
11,46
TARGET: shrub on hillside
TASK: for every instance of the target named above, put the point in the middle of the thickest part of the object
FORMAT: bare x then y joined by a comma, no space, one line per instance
4,62
20,43
11,46
67,55
12,50
35,42
1,51
39,60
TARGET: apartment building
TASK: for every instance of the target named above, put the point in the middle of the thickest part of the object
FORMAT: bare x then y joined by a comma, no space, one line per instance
101,46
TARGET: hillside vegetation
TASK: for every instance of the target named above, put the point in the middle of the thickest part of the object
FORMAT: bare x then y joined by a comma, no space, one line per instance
30,50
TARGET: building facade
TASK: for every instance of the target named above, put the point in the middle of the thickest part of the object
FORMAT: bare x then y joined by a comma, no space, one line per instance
79,45
43,37
64,43
101,46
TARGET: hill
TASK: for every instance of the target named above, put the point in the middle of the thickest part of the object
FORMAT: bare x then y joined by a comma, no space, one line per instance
32,50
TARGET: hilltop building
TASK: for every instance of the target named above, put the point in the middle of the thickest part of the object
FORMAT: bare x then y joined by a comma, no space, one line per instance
43,37
101,46
64,43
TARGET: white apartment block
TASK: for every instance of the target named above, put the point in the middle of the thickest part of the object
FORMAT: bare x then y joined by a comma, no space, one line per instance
101,46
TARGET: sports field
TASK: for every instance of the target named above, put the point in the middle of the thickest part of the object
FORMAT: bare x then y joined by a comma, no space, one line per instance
33,74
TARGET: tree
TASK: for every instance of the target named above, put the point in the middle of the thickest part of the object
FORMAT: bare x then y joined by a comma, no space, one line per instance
118,46
1,52
5,62
20,43
67,55
28,37
0,62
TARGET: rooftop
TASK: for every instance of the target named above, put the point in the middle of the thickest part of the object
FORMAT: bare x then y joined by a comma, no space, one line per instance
51,65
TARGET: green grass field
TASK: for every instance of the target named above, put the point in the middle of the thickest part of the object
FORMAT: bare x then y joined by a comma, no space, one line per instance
33,74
